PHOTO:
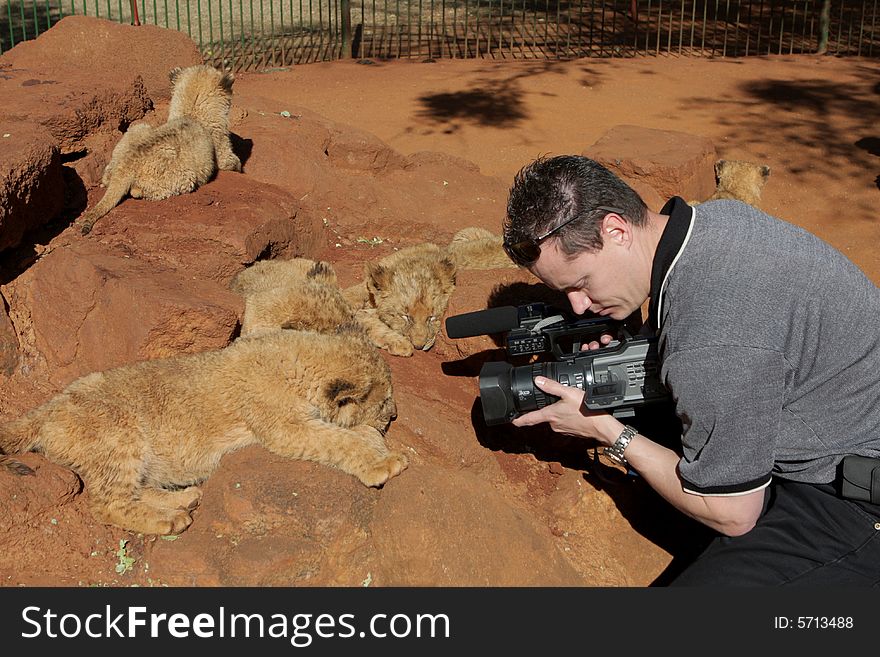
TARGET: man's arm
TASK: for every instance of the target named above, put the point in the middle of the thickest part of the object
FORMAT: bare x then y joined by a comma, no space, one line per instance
731,515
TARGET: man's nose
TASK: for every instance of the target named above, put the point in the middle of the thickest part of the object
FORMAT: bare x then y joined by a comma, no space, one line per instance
579,301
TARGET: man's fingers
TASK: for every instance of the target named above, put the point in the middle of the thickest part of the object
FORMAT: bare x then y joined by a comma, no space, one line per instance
556,389
529,419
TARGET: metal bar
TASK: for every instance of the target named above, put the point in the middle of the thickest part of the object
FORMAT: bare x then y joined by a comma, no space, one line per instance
849,33
233,62
222,43
659,26
781,26
873,24
546,27
760,25
803,47
736,32
726,25
693,25
501,27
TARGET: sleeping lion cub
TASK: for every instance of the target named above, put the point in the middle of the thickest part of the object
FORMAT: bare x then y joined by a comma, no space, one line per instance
295,294
404,295
143,436
398,307
178,156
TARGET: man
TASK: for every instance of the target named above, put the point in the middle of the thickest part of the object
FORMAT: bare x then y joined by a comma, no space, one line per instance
768,345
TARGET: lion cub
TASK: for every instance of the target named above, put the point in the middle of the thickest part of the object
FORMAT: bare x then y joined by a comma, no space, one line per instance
398,307
739,180
178,156
478,248
298,293
204,93
143,436
404,297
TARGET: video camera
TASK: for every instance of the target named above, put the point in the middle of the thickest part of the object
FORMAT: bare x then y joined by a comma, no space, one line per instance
618,377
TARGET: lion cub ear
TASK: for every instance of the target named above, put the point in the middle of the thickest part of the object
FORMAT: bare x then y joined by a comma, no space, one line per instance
446,270
322,270
174,73
378,276
227,80
719,167
765,171
338,392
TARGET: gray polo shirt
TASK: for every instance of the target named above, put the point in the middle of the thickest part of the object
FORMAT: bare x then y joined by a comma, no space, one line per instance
769,344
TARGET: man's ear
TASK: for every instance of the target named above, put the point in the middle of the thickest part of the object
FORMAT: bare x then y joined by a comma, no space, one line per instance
616,229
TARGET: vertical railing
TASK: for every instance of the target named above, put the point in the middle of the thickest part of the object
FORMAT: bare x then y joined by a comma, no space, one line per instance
257,34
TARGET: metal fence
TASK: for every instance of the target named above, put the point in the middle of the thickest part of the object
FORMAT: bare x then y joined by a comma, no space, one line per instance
261,34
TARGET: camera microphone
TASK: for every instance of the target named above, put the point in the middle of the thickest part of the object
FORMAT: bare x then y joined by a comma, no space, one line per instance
483,322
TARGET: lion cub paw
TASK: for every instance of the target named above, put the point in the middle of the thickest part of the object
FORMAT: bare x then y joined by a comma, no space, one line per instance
391,465
396,345
188,498
177,523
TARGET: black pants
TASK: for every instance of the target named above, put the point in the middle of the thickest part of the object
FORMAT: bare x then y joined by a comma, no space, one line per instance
807,535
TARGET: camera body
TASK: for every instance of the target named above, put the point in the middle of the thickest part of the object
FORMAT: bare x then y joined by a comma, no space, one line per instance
617,378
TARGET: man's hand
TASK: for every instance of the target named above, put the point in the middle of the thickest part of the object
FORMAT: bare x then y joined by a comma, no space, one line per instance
603,341
565,416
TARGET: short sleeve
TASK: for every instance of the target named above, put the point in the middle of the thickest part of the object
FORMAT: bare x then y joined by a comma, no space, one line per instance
729,399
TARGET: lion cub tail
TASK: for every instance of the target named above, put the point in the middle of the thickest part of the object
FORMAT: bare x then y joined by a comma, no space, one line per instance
116,191
17,437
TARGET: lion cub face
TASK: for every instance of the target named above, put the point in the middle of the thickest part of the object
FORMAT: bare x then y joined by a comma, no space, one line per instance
356,398
739,180
410,290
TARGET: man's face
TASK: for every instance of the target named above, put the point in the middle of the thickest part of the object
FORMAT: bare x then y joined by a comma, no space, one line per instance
609,282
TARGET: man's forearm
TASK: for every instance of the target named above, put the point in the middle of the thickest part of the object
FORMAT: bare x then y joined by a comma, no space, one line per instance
658,465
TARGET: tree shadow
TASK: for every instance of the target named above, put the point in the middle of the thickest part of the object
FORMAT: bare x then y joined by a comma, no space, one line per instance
488,102
816,114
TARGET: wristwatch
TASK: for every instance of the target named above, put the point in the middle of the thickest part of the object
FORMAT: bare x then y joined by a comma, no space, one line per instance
615,451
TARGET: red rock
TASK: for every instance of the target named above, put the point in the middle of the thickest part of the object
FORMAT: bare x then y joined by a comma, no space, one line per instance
440,553
213,232
86,307
92,51
669,162
31,182
8,344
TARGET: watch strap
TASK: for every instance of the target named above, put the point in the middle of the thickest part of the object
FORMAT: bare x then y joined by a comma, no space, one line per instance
615,451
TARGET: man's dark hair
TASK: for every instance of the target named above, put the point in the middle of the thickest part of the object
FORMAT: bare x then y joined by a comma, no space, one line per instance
550,191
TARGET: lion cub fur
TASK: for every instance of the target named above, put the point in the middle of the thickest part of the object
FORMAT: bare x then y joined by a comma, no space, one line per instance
398,307
739,180
297,293
477,248
143,436
404,296
178,156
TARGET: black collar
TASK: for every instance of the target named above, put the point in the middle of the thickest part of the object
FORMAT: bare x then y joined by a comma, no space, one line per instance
670,244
